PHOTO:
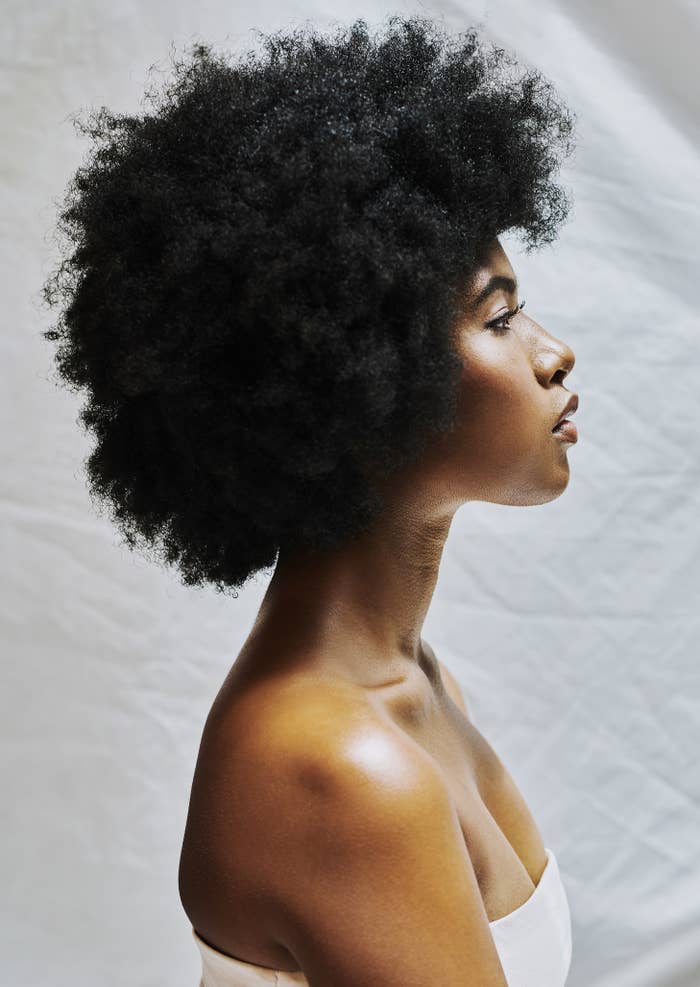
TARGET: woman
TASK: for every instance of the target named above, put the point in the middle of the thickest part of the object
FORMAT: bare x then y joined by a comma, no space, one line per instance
303,345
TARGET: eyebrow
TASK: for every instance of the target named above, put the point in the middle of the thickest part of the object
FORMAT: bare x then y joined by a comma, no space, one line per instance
494,284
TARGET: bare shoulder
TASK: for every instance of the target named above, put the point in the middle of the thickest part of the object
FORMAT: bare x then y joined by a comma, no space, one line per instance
452,686
359,844
269,767
305,737
300,761
283,741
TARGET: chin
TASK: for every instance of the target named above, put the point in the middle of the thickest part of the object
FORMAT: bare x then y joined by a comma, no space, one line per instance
530,495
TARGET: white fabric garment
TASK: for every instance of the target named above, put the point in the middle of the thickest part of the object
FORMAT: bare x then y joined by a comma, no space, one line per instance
533,944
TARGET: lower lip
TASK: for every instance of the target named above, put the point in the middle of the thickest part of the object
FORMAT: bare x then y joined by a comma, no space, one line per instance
567,431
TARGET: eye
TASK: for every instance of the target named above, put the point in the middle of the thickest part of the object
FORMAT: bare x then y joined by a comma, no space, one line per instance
501,323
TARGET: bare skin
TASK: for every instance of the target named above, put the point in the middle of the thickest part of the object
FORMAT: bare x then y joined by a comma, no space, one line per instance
336,650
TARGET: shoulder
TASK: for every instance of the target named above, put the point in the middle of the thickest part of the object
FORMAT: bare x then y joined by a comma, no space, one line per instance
312,768
304,733
358,848
282,726
452,686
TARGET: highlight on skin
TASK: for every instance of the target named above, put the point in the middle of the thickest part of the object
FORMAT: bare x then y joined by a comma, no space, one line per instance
260,279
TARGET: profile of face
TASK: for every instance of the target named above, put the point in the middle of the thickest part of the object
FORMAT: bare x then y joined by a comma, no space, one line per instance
511,395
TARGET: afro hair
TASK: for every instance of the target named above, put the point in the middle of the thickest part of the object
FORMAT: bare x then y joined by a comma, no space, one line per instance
263,275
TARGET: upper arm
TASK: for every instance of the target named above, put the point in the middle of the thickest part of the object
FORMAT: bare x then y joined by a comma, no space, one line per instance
380,888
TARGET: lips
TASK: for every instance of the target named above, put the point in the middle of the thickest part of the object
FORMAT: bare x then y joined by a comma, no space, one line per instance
567,411
566,431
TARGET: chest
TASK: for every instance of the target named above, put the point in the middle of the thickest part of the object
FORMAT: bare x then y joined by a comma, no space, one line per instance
505,845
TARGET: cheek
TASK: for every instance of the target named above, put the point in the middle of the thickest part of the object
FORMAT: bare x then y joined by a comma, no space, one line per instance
496,398
500,437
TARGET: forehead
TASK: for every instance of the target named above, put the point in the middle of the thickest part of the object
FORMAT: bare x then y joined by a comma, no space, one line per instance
491,260
494,271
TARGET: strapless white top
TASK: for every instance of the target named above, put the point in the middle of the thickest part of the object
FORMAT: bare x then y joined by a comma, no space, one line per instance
533,944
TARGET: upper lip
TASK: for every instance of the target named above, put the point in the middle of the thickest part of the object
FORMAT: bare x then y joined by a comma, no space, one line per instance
568,410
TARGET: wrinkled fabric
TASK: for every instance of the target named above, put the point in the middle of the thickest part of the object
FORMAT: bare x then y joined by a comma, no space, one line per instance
572,626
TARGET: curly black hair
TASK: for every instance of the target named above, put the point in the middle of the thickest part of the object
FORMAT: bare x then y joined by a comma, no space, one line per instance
265,272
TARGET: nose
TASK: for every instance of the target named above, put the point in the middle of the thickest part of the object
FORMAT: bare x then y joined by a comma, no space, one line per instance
554,359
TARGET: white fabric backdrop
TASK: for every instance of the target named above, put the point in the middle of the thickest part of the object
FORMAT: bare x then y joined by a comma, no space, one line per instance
573,627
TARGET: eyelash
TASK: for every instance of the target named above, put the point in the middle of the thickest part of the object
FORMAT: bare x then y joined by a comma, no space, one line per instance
496,323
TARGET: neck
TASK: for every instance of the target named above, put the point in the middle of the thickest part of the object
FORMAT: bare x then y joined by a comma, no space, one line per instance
362,606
